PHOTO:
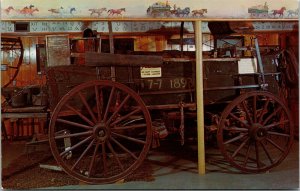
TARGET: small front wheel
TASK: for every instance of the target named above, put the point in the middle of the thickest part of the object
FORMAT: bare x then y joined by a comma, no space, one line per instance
255,132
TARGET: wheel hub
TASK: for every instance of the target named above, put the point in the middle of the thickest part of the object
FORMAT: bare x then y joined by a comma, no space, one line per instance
101,132
257,132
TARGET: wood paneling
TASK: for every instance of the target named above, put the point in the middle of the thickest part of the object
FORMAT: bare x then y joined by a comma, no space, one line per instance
27,72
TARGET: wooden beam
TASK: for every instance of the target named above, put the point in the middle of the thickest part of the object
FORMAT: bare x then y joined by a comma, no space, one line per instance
199,97
111,50
108,59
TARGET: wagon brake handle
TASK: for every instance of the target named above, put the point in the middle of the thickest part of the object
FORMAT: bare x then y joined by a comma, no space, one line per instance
260,64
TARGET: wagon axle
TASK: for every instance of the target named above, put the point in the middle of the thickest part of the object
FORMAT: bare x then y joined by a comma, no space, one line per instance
257,132
101,132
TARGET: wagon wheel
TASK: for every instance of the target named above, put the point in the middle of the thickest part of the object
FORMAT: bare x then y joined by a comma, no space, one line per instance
255,132
100,131
11,49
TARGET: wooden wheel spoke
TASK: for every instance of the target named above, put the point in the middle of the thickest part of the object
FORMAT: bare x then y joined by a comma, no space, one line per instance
126,116
129,138
240,147
75,146
272,115
279,134
247,154
240,120
254,109
124,148
275,145
98,102
257,155
263,110
276,124
80,115
104,158
108,103
129,127
247,112
73,135
74,124
239,129
93,159
118,109
82,155
267,153
87,107
235,138
115,155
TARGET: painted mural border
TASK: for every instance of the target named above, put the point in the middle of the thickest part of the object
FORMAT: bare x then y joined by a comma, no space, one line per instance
41,26
149,9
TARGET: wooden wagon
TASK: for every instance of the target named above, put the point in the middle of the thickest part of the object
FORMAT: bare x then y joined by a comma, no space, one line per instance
106,113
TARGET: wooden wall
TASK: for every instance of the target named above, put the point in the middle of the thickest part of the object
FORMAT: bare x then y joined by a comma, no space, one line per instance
28,71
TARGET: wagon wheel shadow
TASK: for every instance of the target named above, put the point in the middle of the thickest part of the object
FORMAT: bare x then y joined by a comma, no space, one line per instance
173,158
215,162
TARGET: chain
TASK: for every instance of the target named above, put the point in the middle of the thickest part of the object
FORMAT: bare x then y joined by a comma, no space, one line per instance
181,128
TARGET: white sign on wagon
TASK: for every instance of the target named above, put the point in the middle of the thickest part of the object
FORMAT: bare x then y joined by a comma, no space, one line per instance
150,72
247,66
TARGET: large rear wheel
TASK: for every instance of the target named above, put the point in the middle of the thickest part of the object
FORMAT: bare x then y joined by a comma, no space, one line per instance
100,131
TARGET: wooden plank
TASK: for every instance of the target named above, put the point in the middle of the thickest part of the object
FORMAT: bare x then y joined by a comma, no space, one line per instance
51,167
31,109
107,59
111,50
23,115
221,59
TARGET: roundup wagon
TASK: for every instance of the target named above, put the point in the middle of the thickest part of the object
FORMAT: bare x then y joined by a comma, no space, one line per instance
108,109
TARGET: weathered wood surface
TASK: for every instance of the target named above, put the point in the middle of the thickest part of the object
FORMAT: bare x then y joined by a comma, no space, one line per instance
106,59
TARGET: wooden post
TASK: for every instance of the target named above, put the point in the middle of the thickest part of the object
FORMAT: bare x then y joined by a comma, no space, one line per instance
111,50
199,97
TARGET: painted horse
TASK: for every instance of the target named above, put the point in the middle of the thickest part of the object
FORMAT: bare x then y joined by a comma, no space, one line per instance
115,11
199,12
28,11
97,11
183,12
8,9
56,11
279,12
